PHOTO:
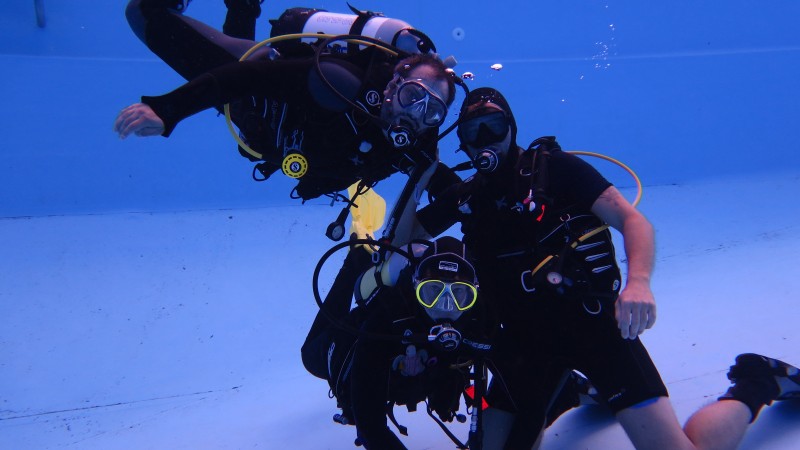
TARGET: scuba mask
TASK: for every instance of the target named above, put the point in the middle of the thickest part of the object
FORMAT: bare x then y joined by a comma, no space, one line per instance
484,130
481,132
445,286
418,105
421,102
446,300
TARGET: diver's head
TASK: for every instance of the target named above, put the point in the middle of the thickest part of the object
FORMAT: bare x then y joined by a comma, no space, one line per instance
417,98
487,130
444,281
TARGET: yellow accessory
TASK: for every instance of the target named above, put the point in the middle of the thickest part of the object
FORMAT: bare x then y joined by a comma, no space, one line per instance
368,213
294,165
463,294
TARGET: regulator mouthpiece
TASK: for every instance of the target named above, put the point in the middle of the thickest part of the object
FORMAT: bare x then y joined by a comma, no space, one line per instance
486,161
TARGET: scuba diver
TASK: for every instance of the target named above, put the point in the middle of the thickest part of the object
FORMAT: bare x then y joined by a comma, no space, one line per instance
418,325
329,113
536,222
347,347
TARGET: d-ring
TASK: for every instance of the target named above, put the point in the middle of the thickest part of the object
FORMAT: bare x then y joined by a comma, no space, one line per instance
594,313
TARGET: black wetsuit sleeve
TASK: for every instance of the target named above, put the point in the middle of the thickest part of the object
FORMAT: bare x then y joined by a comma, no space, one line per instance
442,212
443,178
370,375
284,80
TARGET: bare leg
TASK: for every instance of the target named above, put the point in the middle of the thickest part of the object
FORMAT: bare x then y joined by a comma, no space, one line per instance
720,425
757,382
654,426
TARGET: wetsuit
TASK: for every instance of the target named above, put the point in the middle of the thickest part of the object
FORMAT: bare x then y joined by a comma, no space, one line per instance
280,105
360,369
548,327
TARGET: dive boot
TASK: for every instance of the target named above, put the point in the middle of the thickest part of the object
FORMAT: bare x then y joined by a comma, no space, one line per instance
785,376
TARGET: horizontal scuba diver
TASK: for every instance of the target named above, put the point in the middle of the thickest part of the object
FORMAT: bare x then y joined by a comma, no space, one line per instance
340,116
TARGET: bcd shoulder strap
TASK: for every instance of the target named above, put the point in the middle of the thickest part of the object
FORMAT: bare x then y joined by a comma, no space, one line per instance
540,149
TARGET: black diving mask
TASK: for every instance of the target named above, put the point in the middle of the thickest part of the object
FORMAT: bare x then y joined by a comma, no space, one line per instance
484,130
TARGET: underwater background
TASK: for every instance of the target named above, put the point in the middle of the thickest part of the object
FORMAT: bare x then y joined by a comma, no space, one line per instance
153,296
679,91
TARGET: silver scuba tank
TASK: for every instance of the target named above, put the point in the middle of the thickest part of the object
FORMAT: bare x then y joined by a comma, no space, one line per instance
394,32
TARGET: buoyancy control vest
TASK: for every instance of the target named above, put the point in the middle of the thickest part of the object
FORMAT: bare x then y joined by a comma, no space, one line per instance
276,130
545,247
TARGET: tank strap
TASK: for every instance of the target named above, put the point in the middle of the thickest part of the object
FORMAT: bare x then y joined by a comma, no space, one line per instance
390,414
362,17
361,20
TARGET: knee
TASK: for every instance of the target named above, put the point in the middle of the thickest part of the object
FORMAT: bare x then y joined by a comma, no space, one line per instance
133,5
495,428
313,367
313,361
134,10
503,429
140,12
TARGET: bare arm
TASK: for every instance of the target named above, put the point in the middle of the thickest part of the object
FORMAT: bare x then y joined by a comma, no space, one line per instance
636,307
408,227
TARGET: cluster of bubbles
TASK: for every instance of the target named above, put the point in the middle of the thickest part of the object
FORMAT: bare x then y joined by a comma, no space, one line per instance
604,50
471,76
459,34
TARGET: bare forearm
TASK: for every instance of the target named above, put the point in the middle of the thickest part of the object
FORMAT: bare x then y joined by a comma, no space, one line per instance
639,239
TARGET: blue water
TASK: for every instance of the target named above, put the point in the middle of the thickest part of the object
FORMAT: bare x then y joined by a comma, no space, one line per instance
153,296
679,91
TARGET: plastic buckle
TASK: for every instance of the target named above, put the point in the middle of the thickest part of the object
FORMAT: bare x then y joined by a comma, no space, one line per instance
525,278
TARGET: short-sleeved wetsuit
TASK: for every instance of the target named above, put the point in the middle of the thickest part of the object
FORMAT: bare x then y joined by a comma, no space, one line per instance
548,327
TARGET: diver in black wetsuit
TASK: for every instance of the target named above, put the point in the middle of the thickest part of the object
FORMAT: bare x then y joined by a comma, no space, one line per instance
433,301
361,114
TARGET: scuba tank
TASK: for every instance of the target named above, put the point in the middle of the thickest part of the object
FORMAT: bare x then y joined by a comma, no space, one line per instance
394,32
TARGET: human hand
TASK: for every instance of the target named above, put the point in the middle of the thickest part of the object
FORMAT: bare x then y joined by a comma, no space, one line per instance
635,309
140,120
